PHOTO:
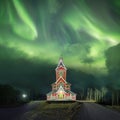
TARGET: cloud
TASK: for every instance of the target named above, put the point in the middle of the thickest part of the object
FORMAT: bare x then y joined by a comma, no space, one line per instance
42,31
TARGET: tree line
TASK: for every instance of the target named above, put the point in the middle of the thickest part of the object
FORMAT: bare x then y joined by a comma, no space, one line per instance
103,95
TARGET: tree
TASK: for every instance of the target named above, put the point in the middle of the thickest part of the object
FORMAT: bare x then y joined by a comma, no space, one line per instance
8,95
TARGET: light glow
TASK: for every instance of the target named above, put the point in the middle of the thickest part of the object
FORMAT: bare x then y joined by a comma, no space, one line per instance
24,95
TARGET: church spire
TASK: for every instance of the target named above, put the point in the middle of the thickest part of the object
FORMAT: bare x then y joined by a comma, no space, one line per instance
61,63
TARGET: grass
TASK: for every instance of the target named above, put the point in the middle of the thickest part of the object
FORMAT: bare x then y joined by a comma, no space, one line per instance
52,111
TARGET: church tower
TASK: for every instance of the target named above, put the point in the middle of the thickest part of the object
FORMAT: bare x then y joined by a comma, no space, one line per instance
61,89
61,70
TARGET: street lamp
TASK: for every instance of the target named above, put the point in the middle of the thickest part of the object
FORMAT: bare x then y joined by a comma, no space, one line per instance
24,95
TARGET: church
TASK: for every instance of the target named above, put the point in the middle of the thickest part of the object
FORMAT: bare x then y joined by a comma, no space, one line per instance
61,89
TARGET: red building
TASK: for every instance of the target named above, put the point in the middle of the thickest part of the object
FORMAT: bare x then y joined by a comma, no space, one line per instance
61,89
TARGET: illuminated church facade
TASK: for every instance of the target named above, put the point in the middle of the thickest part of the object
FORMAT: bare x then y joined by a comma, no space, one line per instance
61,89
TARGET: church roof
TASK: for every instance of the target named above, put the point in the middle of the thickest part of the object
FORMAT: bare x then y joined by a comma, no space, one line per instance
61,89
60,63
72,92
61,78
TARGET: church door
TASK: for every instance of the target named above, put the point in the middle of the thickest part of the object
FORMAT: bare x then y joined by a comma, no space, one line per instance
60,96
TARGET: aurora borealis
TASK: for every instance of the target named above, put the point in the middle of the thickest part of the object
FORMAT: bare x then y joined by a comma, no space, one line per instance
34,34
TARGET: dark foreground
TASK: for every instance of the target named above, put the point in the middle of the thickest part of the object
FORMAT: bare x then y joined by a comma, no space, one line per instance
18,112
40,110
92,111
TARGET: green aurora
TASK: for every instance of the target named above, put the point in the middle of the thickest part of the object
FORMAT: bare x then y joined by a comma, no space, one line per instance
42,31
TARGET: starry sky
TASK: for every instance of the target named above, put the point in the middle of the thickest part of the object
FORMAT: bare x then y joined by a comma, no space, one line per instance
34,34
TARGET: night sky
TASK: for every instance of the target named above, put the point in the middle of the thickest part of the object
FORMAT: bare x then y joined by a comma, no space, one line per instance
34,34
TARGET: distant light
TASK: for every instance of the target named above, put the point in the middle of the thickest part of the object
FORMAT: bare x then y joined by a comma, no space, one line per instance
24,95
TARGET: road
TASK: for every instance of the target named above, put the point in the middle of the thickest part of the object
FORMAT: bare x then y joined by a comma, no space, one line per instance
86,111
16,113
93,111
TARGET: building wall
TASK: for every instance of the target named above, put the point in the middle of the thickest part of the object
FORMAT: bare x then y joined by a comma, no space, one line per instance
57,97
58,73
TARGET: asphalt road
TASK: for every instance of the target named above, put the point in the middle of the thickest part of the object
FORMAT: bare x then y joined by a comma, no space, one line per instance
92,111
87,111
16,113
